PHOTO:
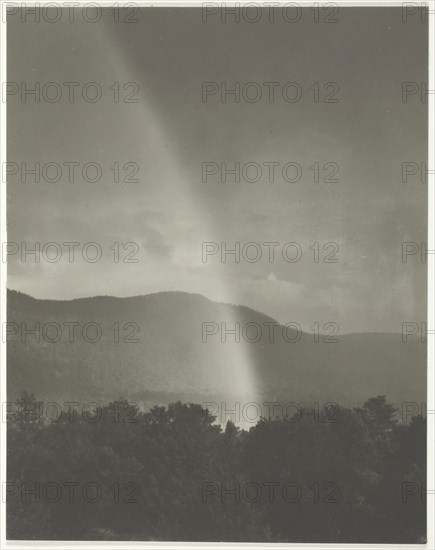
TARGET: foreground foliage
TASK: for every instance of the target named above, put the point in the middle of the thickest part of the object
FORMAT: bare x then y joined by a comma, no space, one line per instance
172,473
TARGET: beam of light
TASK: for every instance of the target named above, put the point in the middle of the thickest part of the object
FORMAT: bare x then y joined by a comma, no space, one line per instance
235,358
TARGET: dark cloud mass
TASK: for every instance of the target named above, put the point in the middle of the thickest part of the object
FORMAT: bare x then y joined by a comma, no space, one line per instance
170,132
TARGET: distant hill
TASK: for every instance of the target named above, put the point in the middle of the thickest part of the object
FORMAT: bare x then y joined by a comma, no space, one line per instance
170,361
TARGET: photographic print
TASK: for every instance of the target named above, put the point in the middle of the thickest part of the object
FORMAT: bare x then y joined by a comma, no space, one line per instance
216,320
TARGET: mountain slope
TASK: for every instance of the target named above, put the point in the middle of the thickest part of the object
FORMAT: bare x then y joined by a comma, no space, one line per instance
161,356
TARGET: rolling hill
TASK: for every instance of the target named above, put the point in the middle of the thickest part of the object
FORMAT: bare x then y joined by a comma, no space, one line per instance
161,356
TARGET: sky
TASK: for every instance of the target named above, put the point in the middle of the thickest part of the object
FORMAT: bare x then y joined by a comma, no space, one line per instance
172,130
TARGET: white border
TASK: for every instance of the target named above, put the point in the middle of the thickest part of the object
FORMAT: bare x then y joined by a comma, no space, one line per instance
62,545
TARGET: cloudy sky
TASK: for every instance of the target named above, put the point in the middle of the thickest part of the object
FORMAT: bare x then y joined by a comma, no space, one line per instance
170,132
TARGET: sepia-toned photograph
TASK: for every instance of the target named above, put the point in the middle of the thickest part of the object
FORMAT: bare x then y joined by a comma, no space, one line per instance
215,268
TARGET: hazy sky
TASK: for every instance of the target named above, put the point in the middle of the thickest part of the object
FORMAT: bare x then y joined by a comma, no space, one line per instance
170,132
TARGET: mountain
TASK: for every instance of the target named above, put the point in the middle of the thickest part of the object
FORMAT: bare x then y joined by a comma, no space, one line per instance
161,356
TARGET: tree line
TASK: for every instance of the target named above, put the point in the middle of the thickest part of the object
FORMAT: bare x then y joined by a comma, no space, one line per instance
172,473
